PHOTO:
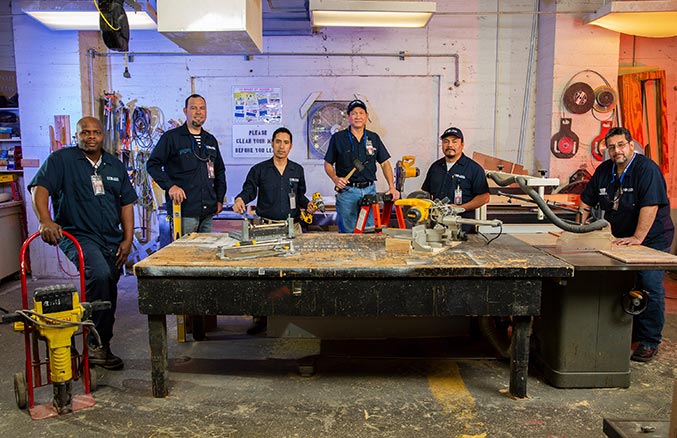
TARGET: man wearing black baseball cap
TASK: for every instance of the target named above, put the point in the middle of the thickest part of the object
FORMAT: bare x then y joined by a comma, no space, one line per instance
346,146
457,177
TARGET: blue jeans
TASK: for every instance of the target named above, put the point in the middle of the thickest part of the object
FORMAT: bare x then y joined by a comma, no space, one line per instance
647,327
196,224
101,282
348,207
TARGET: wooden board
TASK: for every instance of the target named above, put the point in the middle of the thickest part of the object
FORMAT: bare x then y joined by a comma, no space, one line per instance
640,254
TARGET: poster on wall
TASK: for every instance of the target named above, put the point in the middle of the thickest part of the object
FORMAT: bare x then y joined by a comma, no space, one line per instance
257,112
253,140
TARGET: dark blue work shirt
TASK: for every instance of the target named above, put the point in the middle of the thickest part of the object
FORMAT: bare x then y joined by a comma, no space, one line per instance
344,148
465,173
178,160
67,176
274,190
642,185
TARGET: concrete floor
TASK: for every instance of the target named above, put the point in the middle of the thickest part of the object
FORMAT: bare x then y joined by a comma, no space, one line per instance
239,386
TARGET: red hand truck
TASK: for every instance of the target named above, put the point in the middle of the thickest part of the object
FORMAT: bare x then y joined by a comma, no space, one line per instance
32,377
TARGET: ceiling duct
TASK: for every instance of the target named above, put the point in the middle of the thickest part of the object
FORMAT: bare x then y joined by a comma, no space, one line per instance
212,26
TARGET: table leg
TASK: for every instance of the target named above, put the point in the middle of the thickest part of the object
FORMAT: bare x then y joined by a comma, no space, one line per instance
519,356
157,339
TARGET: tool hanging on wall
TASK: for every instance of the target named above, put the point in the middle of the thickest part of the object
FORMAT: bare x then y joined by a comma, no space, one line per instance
598,145
605,99
564,144
579,98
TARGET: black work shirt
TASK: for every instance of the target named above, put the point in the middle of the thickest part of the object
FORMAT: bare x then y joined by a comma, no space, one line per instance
274,190
344,148
465,173
67,176
177,160
642,185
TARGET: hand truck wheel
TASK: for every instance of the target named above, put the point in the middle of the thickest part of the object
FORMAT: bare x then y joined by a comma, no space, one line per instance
93,378
20,390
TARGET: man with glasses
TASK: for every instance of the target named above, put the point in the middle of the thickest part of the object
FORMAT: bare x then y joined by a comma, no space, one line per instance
631,191
457,177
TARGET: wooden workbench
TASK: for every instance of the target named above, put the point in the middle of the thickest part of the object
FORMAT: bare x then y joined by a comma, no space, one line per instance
346,275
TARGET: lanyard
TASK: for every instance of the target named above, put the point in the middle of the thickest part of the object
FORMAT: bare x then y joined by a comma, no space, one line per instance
613,171
192,148
364,142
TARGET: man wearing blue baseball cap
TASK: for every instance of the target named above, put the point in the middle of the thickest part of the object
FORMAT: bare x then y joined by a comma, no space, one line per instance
347,146
457,177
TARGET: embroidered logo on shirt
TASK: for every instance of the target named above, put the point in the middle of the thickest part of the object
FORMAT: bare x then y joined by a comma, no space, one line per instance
112,178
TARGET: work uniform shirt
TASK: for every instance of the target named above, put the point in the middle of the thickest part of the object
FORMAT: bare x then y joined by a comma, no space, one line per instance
642,184
276,193
67,176
177,159
465,173
344,148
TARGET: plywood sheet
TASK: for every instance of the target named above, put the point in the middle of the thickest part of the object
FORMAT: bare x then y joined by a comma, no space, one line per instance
640,254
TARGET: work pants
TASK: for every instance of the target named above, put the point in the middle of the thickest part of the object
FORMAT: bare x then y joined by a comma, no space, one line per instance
101,282
647,327
196,225
348,207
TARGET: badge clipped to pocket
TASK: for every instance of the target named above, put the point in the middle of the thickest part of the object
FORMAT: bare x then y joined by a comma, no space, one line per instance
210,169
97,185
292,200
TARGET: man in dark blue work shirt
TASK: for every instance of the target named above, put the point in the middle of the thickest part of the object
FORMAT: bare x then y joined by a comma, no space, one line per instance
631,191
93,200
278,182
280,185
356,143
457,177
186,163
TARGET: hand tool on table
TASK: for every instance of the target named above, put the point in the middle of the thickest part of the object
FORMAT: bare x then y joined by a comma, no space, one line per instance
358,167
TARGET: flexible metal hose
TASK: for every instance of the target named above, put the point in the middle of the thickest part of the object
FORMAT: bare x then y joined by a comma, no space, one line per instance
503,180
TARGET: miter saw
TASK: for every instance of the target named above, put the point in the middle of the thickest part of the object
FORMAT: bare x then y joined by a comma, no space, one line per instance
436,223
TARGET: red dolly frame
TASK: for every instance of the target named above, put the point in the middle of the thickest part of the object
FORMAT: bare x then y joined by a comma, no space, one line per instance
33,362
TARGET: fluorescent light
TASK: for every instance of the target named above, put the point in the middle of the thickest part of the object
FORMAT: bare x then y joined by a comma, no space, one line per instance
70,15
325,13
655,19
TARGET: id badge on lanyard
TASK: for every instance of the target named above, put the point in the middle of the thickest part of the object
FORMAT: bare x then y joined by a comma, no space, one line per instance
97,185
210,169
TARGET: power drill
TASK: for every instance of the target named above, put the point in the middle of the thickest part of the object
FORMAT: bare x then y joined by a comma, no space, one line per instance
318,202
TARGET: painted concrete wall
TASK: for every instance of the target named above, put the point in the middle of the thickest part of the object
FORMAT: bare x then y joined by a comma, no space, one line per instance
416,98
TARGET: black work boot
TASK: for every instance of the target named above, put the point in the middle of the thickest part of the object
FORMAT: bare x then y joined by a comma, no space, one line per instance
103,357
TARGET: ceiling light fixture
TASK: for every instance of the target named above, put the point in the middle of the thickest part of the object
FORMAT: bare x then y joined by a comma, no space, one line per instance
325,13
82,15
649,18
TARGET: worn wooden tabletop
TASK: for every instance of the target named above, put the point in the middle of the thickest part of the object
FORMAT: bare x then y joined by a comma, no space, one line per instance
326,253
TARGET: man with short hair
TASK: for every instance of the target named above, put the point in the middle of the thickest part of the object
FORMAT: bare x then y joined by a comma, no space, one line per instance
457,177
93,200
280,186
632,192
346,146
187,164
279,183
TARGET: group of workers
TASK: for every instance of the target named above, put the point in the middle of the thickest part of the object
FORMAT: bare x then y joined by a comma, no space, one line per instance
92,199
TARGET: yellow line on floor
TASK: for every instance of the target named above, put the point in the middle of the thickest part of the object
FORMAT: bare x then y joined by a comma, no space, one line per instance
448,388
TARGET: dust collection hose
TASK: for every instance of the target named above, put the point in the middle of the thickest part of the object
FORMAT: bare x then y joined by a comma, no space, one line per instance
533,194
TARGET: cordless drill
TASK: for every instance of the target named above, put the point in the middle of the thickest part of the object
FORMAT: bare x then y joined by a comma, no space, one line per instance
318,203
